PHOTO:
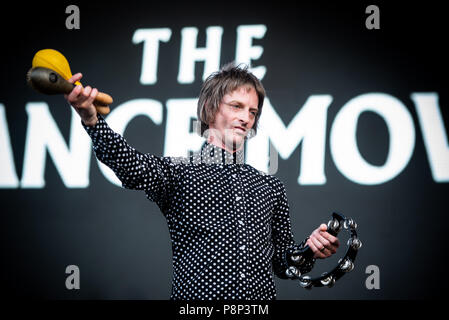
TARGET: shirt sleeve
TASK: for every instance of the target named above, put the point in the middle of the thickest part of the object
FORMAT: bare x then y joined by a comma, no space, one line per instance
282,237
135,170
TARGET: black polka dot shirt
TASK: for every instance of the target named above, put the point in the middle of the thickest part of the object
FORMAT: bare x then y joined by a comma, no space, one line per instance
229,223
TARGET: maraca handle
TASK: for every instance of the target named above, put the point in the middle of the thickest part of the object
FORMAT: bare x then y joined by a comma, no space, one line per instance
103,110
103,99
48,81
102,102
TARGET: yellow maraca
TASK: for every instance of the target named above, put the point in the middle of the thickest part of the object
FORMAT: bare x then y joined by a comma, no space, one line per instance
50,72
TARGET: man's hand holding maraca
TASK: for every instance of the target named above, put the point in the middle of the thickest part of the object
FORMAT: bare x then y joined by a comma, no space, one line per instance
82,100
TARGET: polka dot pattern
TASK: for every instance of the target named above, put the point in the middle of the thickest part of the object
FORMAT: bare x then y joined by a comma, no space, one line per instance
229,223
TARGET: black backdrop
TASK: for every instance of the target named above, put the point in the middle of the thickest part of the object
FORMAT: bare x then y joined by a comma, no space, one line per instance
119,240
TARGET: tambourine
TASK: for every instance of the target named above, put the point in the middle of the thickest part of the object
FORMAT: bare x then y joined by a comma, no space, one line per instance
345,264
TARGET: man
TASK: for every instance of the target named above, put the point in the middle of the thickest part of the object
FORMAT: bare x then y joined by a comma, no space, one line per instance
229,223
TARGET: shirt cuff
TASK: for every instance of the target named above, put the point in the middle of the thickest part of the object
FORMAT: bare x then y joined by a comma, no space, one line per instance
96,126
100,127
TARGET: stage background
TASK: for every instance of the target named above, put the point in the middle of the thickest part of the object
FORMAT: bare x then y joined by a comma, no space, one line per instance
120,241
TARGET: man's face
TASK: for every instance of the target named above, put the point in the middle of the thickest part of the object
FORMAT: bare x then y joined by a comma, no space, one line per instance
234,119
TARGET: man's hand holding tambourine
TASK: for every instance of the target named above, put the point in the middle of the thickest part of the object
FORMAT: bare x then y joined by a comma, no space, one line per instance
322,243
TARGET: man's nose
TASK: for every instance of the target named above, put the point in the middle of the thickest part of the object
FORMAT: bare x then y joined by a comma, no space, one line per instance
244,117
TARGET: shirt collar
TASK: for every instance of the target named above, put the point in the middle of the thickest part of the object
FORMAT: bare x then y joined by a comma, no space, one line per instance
212,154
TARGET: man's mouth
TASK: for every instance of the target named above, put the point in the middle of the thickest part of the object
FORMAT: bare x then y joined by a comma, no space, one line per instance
240,129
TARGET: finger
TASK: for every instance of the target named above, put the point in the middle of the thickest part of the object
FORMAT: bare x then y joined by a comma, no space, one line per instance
75,78
317,253
332,247
323,241
323,251
322,227
327,253
74,95
317,244
92,96
333,240
86,92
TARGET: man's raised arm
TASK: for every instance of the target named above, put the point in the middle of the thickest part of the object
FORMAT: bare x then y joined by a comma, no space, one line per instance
134,169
